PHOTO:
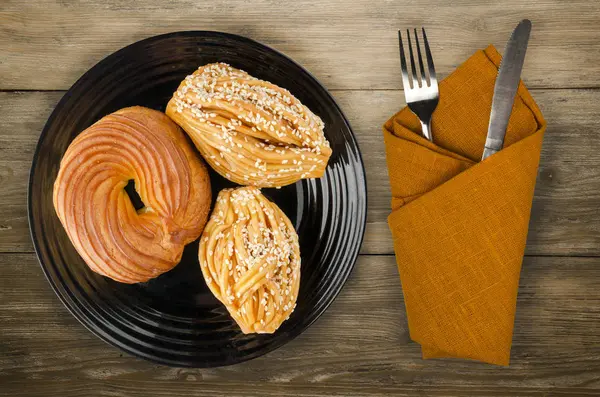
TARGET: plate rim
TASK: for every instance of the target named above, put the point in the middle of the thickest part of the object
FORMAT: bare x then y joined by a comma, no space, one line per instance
71,303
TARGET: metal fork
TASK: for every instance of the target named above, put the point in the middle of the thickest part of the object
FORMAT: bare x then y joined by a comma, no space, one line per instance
422,95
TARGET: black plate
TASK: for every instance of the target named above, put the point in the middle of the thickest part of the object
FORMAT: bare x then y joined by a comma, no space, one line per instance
174,319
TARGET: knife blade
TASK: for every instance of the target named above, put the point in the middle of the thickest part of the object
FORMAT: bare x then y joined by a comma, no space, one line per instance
506,86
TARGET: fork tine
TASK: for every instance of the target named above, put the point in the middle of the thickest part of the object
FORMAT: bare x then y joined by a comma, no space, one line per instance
430,66
412,62
420,59
403,67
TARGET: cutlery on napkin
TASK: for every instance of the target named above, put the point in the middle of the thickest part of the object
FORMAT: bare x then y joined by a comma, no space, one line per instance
460,225
420,90
506,86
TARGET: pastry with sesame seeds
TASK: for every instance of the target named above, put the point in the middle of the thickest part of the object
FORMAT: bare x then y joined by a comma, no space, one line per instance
250,131
113,238
250,258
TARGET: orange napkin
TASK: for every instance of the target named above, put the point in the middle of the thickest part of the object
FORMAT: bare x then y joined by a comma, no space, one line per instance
460,225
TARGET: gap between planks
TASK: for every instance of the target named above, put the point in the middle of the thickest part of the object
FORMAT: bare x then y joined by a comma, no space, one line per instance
590,88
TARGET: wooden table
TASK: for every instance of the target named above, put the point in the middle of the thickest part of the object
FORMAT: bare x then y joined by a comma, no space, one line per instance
361,345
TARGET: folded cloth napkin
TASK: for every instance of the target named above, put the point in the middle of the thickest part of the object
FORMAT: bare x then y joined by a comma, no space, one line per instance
460,224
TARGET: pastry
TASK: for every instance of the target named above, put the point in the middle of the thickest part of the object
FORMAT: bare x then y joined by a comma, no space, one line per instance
113,238
250,131
250,259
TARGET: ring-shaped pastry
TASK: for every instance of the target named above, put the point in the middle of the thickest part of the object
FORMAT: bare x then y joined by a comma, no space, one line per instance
112,237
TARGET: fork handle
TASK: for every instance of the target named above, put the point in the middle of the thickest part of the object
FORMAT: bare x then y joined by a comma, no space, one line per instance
426,129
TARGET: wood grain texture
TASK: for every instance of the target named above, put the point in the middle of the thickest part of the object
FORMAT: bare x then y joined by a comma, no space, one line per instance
48,44
44,351
565,216
361,345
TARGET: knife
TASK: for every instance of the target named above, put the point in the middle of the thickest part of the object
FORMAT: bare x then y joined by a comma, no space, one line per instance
506,86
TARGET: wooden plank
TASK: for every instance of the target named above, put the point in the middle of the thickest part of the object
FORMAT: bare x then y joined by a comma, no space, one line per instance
565,217
348,44
359,346
193,385
24,115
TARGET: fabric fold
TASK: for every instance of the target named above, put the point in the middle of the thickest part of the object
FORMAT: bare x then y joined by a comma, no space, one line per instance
460,225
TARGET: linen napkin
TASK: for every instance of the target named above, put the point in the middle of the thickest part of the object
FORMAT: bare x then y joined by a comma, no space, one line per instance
460,224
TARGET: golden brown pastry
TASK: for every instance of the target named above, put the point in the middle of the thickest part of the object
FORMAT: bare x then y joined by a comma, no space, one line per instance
250,131
113,238
250,259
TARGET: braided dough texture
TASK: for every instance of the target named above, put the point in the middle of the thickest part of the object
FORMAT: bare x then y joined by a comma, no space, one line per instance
113,238
250,131
250,258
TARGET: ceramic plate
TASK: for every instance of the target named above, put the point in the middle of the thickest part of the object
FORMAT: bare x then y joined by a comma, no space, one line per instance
174,319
